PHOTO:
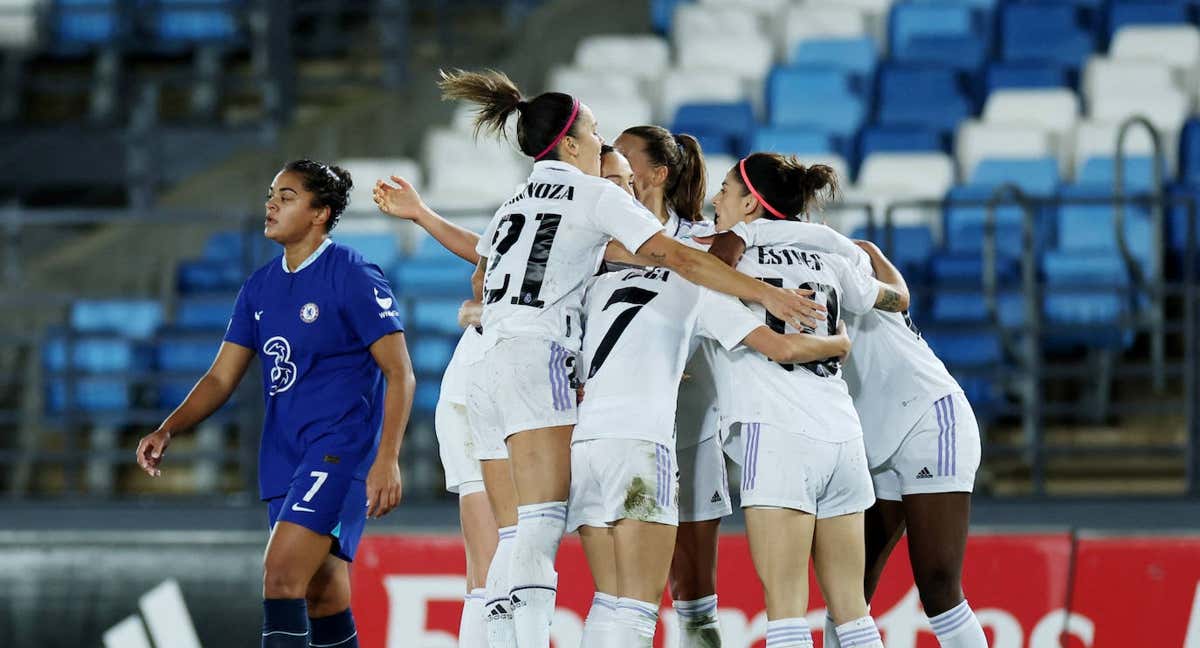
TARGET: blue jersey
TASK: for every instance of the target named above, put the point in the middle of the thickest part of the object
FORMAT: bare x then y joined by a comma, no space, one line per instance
312,330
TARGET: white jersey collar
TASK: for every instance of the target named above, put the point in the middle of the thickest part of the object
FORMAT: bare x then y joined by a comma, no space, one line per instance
555,165
310,260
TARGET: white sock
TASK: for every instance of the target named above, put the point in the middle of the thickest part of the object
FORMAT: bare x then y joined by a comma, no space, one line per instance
789,633
634,624
533,583
859,633
958,628
829,637
599,623
698,623
497,608
471,630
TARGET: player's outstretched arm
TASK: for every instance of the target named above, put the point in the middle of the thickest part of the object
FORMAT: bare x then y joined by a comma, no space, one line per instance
383,481
728,247
798,347
707,270
893,290
403,201
209,394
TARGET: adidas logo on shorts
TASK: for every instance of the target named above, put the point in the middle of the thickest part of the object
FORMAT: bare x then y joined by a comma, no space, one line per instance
716,497
925,474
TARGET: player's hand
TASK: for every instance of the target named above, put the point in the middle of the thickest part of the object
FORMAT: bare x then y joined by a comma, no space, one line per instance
151,449
579,395
401,200
383,487
843,340
794,307
470,313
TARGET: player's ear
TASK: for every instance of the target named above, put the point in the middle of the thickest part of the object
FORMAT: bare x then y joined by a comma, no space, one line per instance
661,172
322,216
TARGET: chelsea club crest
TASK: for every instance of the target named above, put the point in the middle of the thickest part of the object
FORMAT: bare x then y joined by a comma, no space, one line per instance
309,313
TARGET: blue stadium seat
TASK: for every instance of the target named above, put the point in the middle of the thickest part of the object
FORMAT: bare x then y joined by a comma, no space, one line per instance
956,269
432,278
91,355
961,307
971,348
1101,172
1091,227
982,392
437,315
1141,12
1177,221
204,276
1086,296
721,127
1044,33
1035,176
899,139
662,14
426,398
428,248
1006,74
196,23
131,318
379,249
431,353
856,56
209,312
92,394
964,224
181,351
911,247
790,140
806,96
85,23
1189,152
233,246
930,96
952,34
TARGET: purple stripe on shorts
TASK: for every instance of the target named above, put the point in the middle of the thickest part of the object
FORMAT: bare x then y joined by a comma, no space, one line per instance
953,436
558,377
937,408
551,374
752,431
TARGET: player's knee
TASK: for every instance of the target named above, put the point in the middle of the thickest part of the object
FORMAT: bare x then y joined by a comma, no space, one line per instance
690,585
279,582
939,587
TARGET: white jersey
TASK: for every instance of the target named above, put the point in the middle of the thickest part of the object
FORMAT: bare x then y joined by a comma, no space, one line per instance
892,373
454,381
640,326
543,245
810,398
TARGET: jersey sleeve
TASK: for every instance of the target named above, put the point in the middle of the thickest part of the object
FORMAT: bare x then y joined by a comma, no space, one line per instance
623,218
484,247
241,324
810,235
860,290
368,305
724,319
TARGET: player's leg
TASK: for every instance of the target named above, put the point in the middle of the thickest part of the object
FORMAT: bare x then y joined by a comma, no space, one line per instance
502,498
294,554
703,501
328,600
643,551
598,549
780,541
883,527
541,469
480,537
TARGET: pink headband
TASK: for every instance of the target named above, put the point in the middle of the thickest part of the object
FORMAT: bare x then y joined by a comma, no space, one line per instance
562,133
754,192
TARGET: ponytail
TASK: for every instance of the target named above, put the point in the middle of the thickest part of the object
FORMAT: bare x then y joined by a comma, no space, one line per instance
686,176
541,120
786,187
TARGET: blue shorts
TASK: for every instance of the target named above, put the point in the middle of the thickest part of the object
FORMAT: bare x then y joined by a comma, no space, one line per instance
327,499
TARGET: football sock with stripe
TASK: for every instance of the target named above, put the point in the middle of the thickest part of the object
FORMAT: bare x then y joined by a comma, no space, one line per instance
497,609
958,627
285,623
698,623
334,631
829,636
533,583
789,633
471,630
634,624
599,622
859,633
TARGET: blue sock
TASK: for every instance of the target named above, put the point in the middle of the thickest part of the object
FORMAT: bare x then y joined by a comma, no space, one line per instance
285,623
335,631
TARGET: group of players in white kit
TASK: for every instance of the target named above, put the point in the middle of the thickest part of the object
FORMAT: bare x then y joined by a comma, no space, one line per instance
613,360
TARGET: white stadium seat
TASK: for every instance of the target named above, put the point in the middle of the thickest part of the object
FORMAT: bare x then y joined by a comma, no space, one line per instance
703,21
689,86
750,59
760,7
832,20
1051,109
1175,45
469,174
1095,138
716,166
1105,77
592,85
643,57
886,178
615,114
365,171
977,140
1166,108
18,23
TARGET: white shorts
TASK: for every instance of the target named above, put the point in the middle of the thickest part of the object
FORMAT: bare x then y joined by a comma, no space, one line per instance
622,479
940,454
703,482
783,469
455,447
519,384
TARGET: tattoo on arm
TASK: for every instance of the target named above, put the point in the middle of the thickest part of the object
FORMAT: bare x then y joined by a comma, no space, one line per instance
658,257
889,300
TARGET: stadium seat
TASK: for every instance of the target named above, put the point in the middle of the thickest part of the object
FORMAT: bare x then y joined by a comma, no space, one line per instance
643,57
1002,75
1126,12
715,167
364,172
208,312
918,174
589,84
615,115
857,56
965,348
93,394
425,278
1099,138
426,399
970,307
429,248
189,21
910,246
1054,109
378,248
747,57
958,269
944,33
815,98
83,24
178,351
761,7
1101,172
1044,33
1166,109
1092,227
1106,77
465,173
821,21
1035,176
1086,295
19,25
1189,152
679,87
787,139
431,353
927,96
132,318
436,315
727,124
977,140
898,139
205,276
89,354
966,215
701,21
1175,45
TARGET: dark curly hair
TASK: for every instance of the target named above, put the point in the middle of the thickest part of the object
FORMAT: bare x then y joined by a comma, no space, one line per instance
329,184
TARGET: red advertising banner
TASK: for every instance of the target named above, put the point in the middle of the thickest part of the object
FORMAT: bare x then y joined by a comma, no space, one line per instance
1128,592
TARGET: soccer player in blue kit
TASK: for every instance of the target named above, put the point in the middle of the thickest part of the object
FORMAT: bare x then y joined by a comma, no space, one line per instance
338,387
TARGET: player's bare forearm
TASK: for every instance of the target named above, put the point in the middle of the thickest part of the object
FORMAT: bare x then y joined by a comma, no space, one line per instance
893,291
391,354
617,253
728,247
459,240
796,347
477,279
